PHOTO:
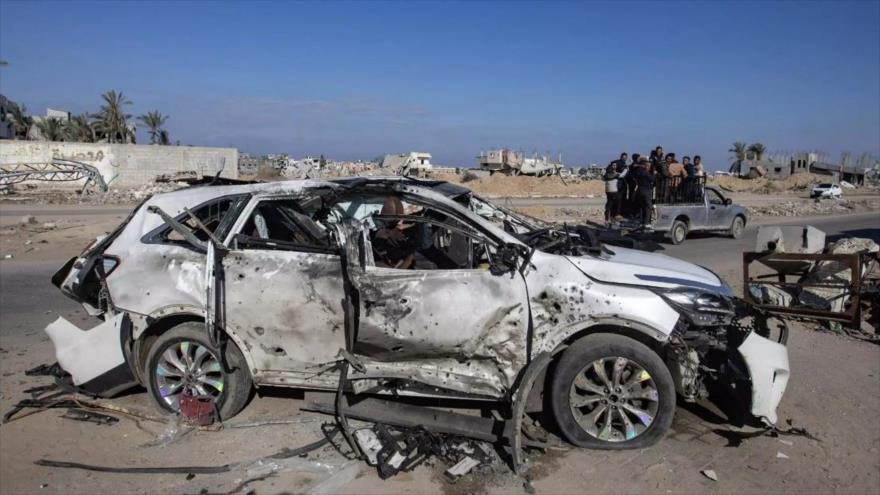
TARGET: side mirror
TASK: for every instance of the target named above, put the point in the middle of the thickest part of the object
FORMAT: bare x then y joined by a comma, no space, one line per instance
505,260
728,201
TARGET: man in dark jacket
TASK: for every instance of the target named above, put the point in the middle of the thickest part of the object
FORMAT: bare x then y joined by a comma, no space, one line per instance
628,201
690,179
644,181
657,158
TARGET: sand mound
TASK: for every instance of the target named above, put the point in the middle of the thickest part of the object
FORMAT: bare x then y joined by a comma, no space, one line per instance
523,186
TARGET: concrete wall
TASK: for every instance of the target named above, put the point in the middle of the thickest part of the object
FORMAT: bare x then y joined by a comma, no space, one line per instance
126,165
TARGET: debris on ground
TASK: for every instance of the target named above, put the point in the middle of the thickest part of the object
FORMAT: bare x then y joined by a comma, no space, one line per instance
837,282
393,450
90,417
799,208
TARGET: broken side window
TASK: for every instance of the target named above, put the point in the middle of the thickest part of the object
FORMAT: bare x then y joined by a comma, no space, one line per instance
215,216
283,224
427,239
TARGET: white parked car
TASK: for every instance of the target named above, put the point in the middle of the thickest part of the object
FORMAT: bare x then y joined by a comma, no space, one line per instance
433,292
826,191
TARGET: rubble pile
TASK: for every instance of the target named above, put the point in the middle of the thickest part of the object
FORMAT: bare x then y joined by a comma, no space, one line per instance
833,299
817,207
797,182
114,196
499,185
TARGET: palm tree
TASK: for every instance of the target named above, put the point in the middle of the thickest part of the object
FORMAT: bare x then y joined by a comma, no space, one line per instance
112,121
79,129
20,120
739,151
154,122
51,129
757,150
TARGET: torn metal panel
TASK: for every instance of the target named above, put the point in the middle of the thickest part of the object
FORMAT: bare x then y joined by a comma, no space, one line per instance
565,301
286,306
769,370
94,358
472,376
464,330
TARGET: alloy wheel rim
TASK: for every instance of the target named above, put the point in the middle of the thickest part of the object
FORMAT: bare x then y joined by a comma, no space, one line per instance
191,367
614,399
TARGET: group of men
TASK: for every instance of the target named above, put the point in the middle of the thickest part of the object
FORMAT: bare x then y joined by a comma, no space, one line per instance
632,188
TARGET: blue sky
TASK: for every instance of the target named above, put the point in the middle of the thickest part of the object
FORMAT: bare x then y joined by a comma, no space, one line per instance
355,80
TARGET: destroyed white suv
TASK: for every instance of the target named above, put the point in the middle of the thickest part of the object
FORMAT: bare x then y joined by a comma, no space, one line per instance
410,288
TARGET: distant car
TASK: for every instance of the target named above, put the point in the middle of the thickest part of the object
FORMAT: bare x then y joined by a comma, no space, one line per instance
826,191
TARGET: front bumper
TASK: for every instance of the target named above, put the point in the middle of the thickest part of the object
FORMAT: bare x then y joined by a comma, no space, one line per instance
767,363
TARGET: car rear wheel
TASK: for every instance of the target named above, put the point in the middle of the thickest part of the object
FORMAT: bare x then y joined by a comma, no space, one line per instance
678,233
183,359
737,227
612,392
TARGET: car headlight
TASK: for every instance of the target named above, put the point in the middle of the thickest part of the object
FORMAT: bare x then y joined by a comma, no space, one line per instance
699,307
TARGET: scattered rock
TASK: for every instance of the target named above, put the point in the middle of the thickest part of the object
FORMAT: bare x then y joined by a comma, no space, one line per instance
813,208
710,473
8,256
28,242
50,225
28,219
780,455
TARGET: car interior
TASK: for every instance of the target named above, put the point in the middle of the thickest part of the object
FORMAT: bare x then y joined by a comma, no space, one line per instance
402,234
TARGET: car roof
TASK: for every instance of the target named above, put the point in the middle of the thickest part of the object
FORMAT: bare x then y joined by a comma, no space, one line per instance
205,191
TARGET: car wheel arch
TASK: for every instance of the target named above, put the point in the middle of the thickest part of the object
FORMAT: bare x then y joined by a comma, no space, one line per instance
683,218
639,333
653,338
157,327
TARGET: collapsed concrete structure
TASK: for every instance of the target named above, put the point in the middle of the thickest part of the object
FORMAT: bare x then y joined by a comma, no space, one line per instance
512,162
781,165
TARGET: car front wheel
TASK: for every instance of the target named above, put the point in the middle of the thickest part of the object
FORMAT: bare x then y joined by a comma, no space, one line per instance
612,392
183,360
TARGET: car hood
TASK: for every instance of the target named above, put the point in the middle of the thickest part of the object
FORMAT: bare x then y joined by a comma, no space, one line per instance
633,267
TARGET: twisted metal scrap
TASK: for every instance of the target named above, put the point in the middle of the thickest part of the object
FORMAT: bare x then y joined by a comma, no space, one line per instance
55,171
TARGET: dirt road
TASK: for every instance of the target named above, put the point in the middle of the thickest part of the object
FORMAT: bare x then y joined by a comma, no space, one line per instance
834,393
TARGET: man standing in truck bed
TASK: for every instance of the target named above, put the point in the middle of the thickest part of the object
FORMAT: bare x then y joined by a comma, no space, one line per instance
644,181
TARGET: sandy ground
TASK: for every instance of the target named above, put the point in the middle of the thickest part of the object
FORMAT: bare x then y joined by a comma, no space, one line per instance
834,393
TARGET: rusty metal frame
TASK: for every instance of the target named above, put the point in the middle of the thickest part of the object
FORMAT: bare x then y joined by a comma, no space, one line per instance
56,170
853,289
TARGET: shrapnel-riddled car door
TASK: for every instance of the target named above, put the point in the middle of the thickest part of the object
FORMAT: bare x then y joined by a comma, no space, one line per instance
284,295
463,330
